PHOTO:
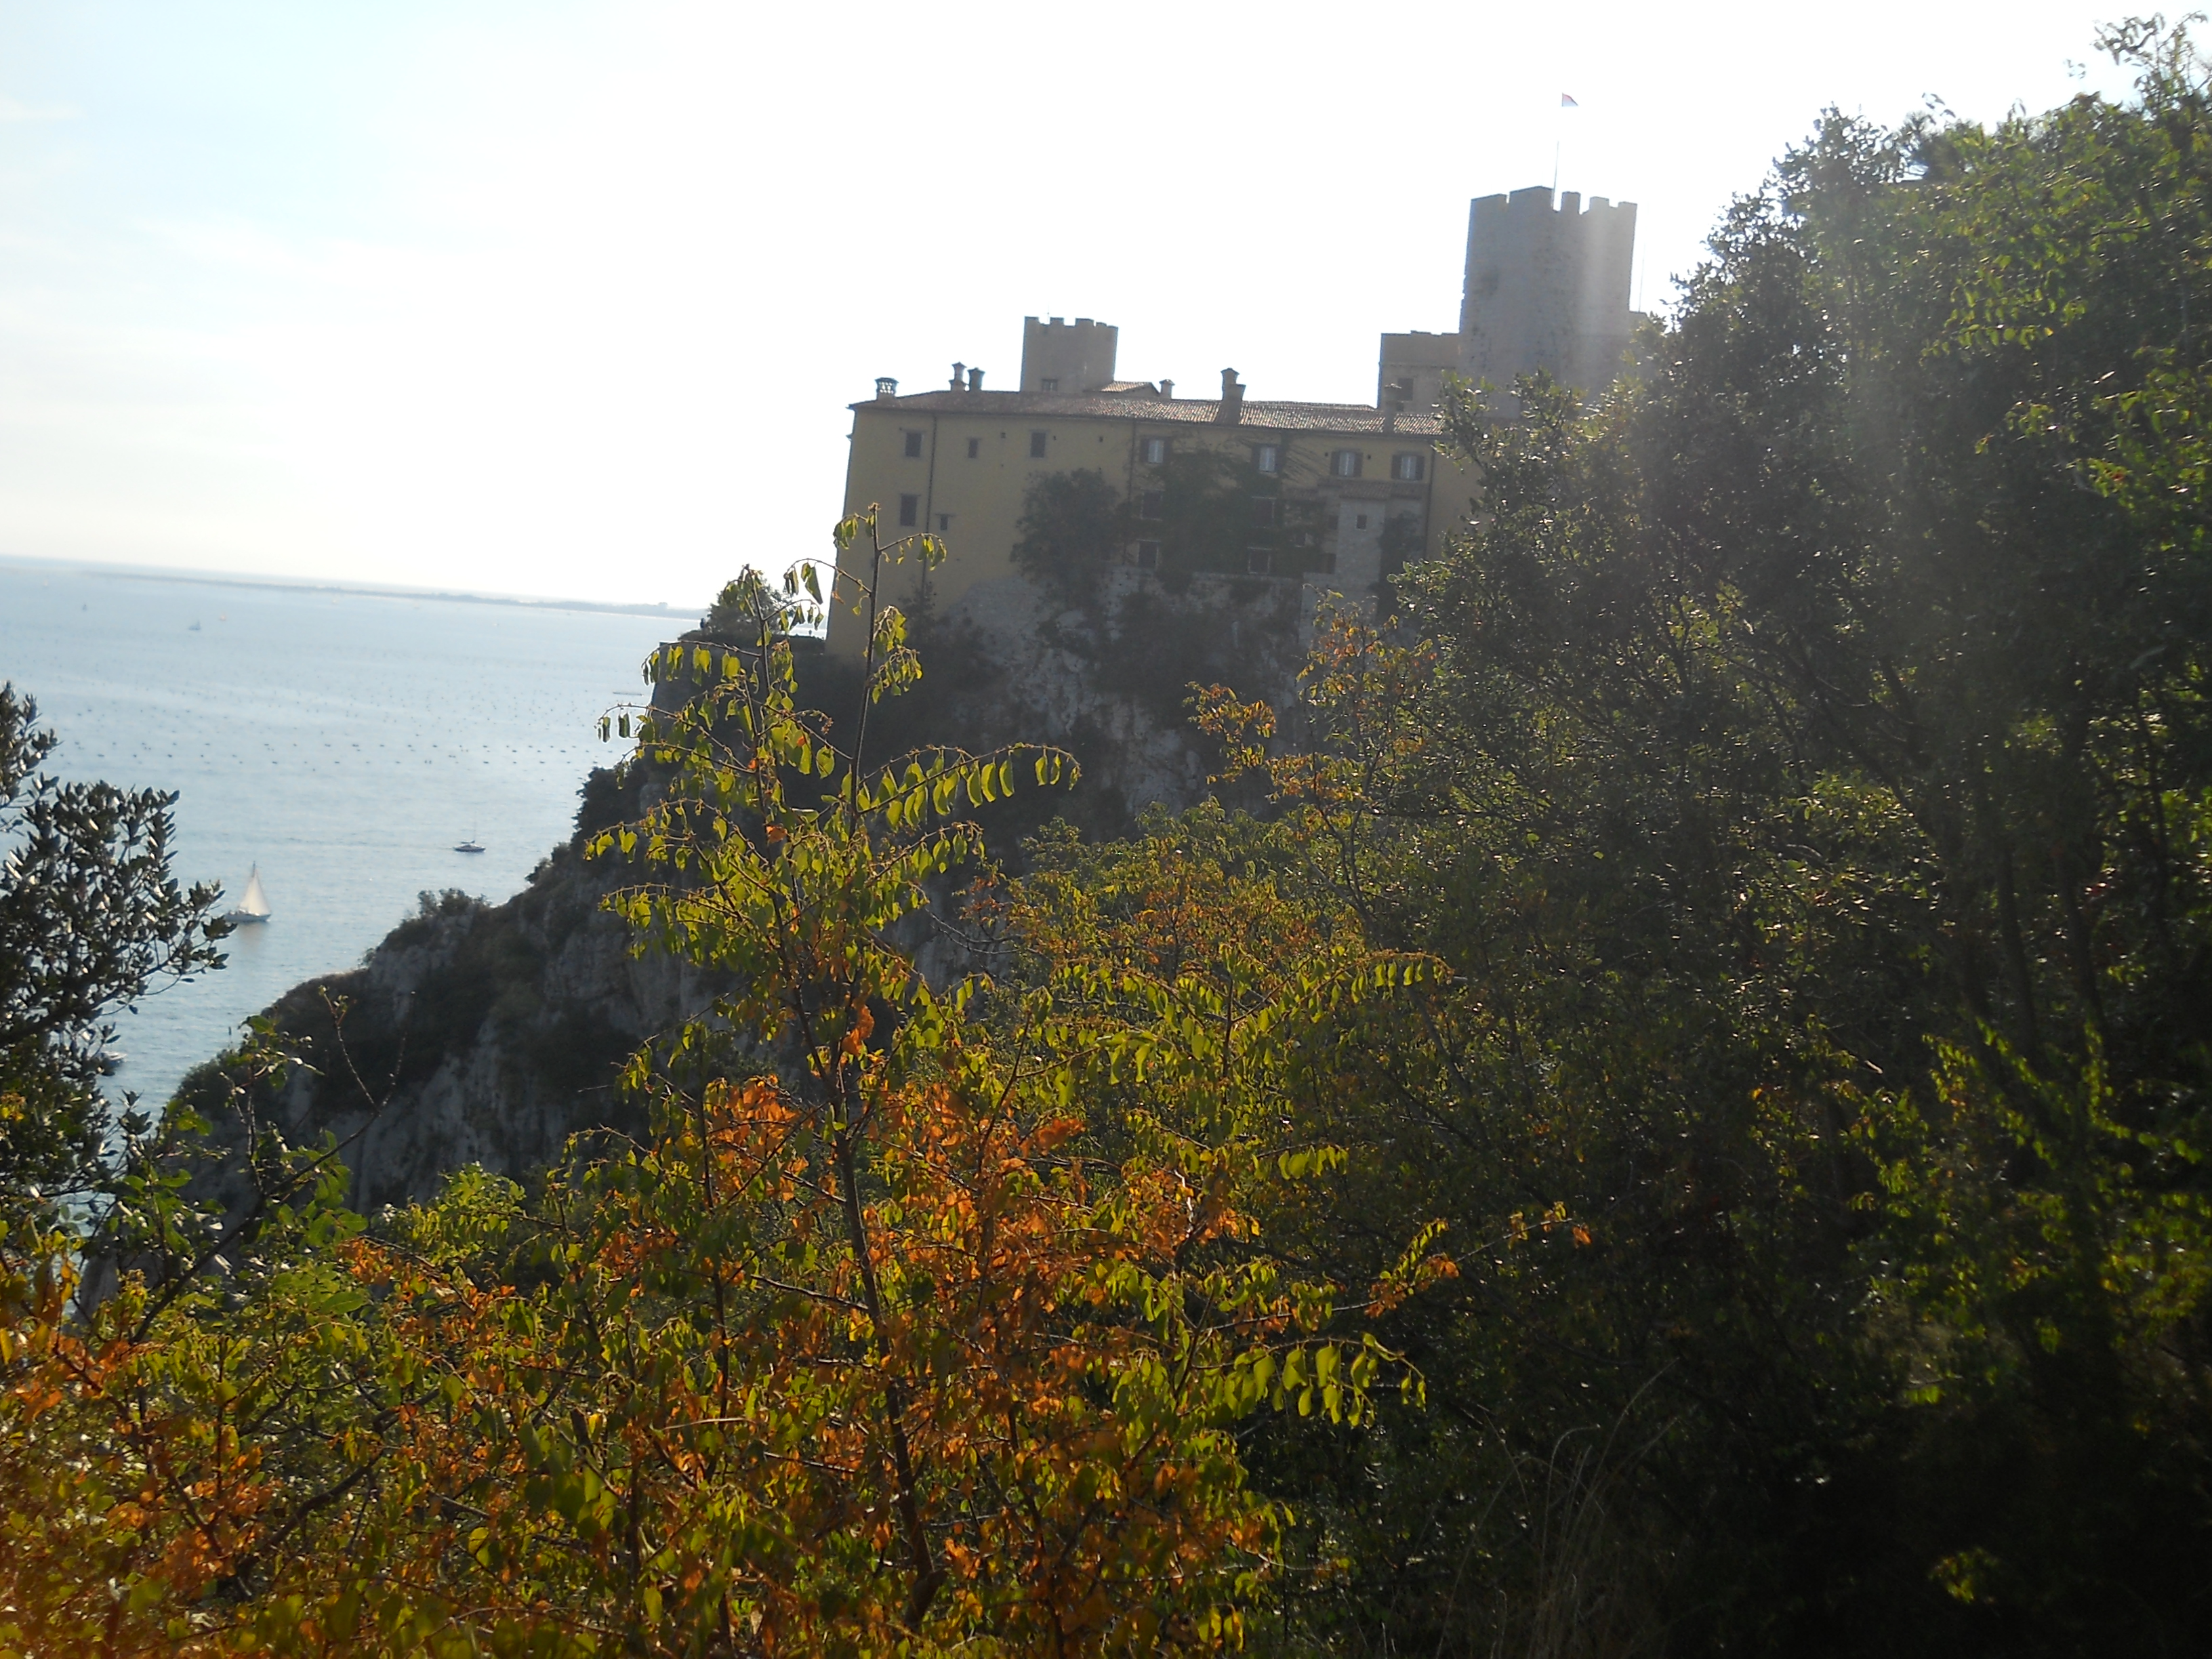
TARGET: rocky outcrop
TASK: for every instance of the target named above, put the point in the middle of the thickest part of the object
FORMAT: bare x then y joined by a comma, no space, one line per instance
491,1034
474,1033
1103,669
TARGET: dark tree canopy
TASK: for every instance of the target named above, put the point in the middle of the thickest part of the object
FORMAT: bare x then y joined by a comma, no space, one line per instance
1072,524
91,919
1200,507
1806,763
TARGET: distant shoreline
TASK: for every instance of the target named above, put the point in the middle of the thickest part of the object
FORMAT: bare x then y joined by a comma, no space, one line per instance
217,578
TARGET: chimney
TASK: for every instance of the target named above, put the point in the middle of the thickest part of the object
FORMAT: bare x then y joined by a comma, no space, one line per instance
1232,400
886,387
975,380
1167,390
959,374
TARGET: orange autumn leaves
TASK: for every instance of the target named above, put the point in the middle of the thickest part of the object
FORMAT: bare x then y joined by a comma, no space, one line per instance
705,1392
647,1413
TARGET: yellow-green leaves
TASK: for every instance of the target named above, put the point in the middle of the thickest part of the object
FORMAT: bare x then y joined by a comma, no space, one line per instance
987,783
935,783
1331,1378
1312,1161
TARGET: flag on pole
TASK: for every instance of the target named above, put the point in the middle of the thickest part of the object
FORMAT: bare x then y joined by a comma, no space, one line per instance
1567,101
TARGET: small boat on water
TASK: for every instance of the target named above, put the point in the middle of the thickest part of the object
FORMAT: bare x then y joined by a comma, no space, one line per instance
252,905
468,846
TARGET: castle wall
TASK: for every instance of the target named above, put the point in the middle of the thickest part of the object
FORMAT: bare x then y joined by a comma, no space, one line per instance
976,501
1358,544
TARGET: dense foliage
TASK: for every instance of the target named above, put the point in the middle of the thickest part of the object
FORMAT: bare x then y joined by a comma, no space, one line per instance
90,920
1805,765
891,1337
1205,509
1752,904
1072,525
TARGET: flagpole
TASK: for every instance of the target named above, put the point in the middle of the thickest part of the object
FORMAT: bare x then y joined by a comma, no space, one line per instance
1558,138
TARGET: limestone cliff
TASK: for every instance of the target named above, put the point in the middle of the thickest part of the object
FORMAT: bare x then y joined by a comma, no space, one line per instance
490,1033
1102,668
475,1034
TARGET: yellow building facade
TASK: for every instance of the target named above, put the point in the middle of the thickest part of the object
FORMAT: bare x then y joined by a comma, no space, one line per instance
1328,496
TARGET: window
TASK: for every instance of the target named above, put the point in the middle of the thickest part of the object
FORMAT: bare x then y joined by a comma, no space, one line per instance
1048,385
1267,458
1407,469
945,523
1259,560
1345,464
1152,504
1156,452
974,447
1036,446
914,445
909,511
1359,521
1263,512
1148,556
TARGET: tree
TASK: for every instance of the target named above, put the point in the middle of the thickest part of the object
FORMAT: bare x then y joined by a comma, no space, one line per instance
1208,519
1802,763
1072,525
1075,524
91,918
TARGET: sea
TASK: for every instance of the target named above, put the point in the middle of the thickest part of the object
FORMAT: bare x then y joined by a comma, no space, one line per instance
344,743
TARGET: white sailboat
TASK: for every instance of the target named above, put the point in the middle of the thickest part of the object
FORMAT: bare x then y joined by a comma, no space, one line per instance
252,904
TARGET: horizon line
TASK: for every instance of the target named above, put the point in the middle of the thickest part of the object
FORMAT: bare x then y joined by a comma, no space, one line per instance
366,590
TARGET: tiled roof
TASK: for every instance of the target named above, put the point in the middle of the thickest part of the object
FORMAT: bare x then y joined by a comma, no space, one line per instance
1135,406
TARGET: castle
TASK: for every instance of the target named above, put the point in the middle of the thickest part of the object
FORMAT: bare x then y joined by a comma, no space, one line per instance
1323,495
1331,496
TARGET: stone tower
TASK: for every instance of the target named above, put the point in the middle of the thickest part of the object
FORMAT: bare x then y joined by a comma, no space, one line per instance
1546,287
1058,355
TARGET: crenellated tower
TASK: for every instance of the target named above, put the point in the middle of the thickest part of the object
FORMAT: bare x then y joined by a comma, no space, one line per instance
1058,355
1546,286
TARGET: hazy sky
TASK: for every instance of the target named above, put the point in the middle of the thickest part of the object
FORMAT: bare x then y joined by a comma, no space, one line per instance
571,299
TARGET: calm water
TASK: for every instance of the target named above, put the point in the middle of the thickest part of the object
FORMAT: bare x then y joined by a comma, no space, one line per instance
343,742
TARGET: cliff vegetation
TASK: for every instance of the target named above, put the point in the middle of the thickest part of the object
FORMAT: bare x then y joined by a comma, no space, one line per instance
1680,1129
